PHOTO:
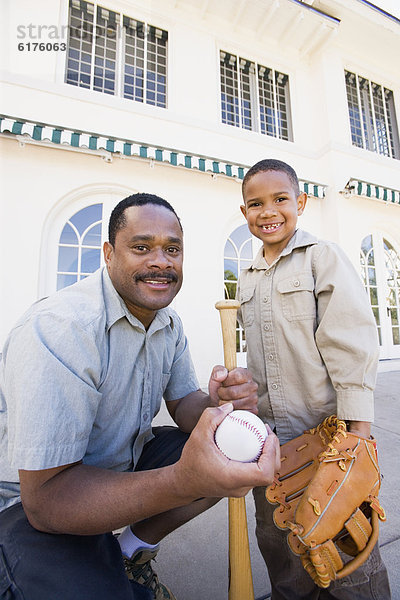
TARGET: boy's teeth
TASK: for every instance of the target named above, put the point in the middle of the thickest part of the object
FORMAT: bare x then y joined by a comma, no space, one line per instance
274,226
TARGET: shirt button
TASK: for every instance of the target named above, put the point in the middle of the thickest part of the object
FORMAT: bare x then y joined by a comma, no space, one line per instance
271,356
266,299
274,386
296,283
145,417
266,327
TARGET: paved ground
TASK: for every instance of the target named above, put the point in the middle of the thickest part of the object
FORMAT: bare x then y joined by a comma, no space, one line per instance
193,561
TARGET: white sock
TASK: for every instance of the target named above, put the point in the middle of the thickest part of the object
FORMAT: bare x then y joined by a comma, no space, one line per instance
130,543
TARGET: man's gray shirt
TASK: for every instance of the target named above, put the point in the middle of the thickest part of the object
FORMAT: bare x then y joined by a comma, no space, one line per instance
81,379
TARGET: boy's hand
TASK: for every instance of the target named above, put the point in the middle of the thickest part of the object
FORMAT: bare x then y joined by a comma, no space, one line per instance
361,428
236,386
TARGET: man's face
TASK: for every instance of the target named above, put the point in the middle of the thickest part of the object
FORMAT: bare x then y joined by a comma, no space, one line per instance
145,265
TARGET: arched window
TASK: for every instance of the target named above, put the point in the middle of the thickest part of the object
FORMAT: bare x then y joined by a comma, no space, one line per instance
368,274
79,248
392,266
380,270
238,255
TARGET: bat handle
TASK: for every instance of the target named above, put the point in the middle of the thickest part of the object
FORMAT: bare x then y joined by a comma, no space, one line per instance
227,312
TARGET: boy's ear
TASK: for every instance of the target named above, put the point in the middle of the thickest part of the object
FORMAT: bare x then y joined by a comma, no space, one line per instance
243,209
301,203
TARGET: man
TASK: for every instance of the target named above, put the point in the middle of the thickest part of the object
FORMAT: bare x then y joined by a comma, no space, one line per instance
82,376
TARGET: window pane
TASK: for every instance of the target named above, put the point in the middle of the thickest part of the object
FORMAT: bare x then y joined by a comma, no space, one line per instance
85,217
237,252
393,132
93,36
372,276
65,280
90,260
372,116
230,250
380,120
229,89
247,79
366,243
282,101
231,269
68,259
80,258
156,53
246,250
93,236
80,38
68,235
240,235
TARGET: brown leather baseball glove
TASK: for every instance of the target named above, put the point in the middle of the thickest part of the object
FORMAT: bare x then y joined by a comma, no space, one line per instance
327,491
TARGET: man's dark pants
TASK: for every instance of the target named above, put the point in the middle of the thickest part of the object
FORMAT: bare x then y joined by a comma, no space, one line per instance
42,566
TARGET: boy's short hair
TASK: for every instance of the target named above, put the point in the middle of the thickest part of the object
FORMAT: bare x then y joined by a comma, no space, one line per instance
272,164
118,220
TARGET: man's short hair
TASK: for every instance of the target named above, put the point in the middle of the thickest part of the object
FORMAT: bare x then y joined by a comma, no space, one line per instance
272,164
118,219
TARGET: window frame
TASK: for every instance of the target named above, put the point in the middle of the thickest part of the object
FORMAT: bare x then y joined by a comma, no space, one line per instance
107,194
365,124
241,261
225,56
386,309
160,95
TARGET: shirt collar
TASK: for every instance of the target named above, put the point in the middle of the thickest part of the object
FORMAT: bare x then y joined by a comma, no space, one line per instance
116,309
300,239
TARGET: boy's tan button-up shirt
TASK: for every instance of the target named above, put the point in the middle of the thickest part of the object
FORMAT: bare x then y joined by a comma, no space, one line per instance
312,344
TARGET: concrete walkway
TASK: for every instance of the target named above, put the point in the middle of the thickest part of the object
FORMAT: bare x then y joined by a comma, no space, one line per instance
193,561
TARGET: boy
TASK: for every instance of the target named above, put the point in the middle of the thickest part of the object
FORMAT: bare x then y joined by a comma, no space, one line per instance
311,347
82,376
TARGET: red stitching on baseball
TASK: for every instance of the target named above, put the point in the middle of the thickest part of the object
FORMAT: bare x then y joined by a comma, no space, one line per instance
248,426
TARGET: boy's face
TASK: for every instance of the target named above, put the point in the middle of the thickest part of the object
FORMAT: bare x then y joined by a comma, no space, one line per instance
271,207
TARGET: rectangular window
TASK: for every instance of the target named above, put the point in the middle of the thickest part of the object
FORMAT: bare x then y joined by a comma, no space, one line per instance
372,116
254,97
112,53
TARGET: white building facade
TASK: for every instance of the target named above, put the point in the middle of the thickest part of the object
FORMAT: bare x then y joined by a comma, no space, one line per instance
178,98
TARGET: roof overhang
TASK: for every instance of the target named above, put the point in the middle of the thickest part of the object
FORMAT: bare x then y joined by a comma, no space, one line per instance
108,148
356,187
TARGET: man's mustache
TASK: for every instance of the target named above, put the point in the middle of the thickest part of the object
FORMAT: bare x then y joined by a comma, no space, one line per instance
155,275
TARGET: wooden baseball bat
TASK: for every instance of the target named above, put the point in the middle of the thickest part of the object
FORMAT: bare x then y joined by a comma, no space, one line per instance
240,575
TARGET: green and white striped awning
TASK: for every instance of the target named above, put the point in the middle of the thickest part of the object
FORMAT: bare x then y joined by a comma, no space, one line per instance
107,147
355,187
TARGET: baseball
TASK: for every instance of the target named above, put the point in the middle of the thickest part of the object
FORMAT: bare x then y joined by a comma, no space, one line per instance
241,436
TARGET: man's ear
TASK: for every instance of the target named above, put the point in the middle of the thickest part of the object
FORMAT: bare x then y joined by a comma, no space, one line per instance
107,251
301,203
243,209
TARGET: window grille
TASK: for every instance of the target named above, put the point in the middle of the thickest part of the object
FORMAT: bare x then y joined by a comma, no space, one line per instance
380,271
372,116
112,53
79,248
238,255
368,274
254,97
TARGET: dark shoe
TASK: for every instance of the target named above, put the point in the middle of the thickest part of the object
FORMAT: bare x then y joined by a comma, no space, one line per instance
138,568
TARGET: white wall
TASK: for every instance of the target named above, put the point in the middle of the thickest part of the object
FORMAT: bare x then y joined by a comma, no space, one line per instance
40,183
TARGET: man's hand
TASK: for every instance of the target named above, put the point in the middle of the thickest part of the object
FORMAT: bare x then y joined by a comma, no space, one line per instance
236,386
203,471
